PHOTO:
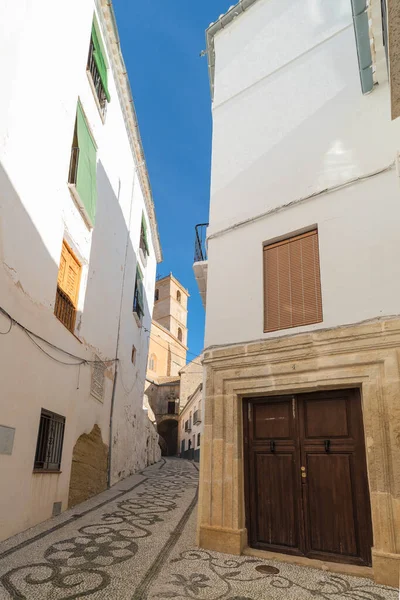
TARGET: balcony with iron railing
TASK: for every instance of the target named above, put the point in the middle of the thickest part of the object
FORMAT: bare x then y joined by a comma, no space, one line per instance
201,259
96,81
197,417
137,306
188,425
65,310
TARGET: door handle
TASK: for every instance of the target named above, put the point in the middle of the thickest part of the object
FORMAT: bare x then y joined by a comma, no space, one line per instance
327,444
272,445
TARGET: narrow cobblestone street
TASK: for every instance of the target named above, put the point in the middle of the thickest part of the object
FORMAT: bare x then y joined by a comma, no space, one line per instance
136,541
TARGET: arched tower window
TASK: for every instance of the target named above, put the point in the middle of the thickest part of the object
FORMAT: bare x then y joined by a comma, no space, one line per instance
178,296
153,362
156,295
179,334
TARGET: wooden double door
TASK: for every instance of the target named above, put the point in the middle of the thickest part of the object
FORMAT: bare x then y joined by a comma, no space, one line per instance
306,476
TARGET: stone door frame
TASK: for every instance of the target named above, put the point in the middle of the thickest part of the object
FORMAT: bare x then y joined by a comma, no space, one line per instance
364,356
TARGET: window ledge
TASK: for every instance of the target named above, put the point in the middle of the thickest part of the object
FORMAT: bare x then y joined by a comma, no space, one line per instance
45,472
80,205
90,79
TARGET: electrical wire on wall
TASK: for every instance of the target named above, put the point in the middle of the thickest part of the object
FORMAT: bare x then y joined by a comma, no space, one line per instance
35,339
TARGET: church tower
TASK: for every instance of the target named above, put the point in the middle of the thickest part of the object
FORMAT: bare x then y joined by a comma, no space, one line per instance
168,340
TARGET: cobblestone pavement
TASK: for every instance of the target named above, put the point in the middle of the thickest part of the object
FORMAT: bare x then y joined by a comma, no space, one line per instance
136,541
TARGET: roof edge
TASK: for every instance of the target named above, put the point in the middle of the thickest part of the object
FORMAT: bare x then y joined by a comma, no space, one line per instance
110,31
214,28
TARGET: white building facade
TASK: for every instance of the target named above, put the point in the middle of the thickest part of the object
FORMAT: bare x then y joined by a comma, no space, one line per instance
302,279
79,247
191,426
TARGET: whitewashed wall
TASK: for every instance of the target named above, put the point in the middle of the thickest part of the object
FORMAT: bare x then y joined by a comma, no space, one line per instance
290,120
195,403
45,73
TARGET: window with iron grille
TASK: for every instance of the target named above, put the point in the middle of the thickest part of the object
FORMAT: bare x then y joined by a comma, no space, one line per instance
97,68
49,442
171,407
144,245
138,300
198,439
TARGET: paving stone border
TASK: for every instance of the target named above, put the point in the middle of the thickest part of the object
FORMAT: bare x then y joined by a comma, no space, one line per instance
87,560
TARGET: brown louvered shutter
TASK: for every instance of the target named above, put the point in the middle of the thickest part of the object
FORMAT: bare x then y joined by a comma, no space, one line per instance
292,285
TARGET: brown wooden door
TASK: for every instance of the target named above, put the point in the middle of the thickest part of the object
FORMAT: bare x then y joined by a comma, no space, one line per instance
306,482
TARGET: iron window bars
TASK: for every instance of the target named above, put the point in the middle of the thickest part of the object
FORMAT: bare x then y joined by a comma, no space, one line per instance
50,441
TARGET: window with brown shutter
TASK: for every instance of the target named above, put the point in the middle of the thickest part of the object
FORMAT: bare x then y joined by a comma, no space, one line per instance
69,275
292,284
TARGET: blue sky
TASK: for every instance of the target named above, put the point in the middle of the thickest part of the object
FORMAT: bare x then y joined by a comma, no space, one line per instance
161,43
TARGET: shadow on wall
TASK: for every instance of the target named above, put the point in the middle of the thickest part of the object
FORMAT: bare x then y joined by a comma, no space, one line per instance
18,238
106,265
31,380
168,430
110,288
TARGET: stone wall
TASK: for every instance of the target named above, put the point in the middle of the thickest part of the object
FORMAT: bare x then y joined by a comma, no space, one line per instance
394,52
366,356
191,377
89,467
159,395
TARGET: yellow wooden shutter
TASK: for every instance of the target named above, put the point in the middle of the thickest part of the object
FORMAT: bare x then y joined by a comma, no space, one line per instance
63,266
69,274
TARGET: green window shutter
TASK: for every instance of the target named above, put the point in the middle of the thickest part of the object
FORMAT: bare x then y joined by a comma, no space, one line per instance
86,183
139,289
144,230
100,62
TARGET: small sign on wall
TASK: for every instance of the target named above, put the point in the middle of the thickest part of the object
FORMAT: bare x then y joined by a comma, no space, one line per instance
6,439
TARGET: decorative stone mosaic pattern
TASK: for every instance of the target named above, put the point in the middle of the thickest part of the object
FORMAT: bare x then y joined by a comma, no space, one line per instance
136,542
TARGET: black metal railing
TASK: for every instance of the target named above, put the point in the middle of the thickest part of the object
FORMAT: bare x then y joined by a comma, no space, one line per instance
73,165
200,249
143,243
50,442
65,310
98,86
137,306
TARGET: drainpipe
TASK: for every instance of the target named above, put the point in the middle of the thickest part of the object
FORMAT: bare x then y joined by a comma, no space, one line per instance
361,28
